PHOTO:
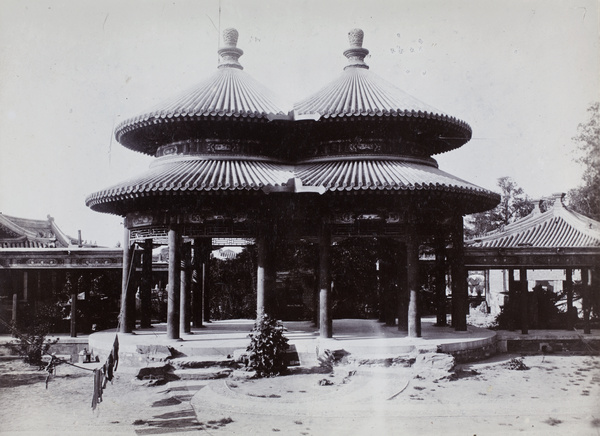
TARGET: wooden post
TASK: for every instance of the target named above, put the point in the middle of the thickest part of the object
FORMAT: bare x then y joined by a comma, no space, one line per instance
325,321
460,291
132,286
184,288
74,315
197,285
173,285
260,276
585,296
15,313
440,280
125,325
206,290
146,286
512,298
402,294
266,274
412,279
524,299
26,286
568,287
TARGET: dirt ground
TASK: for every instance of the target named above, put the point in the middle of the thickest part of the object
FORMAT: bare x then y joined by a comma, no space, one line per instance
558,394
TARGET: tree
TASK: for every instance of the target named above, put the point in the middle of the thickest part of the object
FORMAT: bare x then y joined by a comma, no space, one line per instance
586,198
514,204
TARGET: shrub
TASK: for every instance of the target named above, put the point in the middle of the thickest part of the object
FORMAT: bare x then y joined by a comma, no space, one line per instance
268,346
32,344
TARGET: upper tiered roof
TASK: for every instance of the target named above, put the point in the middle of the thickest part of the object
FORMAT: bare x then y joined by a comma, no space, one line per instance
558,227
358,92
229,93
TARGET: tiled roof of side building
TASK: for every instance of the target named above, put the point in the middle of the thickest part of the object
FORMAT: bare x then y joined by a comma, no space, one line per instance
31,233
558,227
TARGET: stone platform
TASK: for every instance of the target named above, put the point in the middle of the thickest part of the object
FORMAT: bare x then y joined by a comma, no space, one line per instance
364,339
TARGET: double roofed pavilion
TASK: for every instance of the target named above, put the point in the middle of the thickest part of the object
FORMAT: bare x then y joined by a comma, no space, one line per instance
352,160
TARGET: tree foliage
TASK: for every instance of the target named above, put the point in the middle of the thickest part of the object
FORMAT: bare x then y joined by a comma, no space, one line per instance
586,198
514,204
233,285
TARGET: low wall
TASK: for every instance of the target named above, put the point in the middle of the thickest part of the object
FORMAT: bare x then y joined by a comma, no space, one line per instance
66,347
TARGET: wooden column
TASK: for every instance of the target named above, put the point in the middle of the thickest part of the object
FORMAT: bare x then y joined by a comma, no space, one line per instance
412,279
440,279
74,315
325,321
266,274
15,313
146,286
402,295
173,285
512,299
124,322
206,289
260,276
184,288
26,285
585,296
136,259
568,288
460,301
524,300
198,278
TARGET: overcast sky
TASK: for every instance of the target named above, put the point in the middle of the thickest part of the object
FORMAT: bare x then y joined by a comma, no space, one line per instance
521,73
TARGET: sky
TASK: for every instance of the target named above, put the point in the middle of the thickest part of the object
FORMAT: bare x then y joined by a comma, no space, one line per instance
522,73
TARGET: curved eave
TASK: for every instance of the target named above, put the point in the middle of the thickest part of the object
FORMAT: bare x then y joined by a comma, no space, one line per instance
361,93
391,175
228,94
555,228
192,175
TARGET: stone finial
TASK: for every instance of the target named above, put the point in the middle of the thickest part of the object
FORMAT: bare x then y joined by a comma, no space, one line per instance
356,53
229,52
356,36
230,37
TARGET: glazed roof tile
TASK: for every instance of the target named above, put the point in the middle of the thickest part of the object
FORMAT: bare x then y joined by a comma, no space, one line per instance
30,233
229,92
558,227
382,175
195,174
358,91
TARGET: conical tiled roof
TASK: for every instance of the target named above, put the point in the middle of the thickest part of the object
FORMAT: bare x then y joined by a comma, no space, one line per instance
228,93
360,92
558,227
193,174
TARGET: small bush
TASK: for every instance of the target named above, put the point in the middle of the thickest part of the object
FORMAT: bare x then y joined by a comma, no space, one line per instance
32,345
517,364
267,349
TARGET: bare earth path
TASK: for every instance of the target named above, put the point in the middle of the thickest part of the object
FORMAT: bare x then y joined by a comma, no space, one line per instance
559,395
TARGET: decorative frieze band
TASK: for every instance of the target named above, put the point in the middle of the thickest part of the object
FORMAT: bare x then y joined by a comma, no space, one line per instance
213,147
358,146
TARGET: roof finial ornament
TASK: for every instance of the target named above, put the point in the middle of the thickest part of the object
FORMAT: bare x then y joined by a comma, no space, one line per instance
229,52
356,53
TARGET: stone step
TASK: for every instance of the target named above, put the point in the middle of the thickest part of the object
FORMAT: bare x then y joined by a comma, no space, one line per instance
167,373
202,373
191,362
